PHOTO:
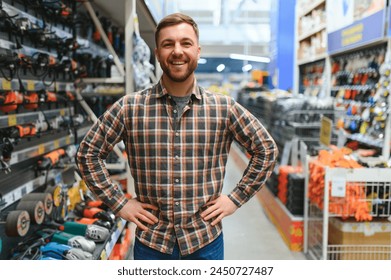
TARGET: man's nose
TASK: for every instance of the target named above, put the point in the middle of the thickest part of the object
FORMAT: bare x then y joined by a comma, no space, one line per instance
177,50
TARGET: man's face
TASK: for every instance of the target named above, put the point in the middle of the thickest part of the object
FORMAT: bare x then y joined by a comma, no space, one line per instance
178,51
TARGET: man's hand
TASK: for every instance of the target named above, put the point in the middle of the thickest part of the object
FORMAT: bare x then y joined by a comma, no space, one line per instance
136,211
218,209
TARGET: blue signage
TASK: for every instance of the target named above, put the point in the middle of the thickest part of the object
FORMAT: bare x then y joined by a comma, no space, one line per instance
364,31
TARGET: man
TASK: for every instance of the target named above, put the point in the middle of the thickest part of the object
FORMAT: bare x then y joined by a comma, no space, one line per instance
177,137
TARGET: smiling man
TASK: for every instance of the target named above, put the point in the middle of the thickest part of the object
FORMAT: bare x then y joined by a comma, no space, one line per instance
177,137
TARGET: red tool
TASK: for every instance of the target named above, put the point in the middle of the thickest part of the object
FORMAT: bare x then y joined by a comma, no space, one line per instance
51,159
10,101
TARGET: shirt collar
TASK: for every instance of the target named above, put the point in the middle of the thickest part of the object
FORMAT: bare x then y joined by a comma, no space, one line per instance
162,91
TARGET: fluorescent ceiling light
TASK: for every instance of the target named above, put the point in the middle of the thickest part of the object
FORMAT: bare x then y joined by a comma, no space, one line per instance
220,67
249,57
247,67
202,61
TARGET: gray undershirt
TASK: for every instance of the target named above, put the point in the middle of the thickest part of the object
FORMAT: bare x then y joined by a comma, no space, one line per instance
181,101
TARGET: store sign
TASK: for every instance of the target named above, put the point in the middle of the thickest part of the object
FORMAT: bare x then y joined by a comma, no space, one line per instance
353,23
326,129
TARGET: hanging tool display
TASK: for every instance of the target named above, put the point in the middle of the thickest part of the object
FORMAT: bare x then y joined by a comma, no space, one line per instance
141,56
44,55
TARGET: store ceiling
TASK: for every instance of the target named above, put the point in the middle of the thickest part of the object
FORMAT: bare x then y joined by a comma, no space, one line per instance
226,26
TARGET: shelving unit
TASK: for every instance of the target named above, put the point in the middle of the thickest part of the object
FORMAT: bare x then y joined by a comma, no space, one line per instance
353,71
311,23
54,71
311,45
348,69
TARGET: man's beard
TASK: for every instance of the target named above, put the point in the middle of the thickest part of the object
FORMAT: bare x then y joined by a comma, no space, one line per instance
180,78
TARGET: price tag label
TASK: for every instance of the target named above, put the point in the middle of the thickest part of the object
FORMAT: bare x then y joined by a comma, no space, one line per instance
30,85
338,187
103,255
7,85
56,143
326,131
12,120
41,149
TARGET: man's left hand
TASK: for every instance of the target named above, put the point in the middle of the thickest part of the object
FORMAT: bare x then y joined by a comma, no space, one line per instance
218,209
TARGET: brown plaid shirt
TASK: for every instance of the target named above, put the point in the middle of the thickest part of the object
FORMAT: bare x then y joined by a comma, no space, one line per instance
177,160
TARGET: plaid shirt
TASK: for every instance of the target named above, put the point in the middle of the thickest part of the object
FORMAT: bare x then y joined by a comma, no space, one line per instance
177,160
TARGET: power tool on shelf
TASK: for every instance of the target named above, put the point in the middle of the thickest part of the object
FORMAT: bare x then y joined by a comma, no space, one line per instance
51,159
6,148
75,241
63,252
93,232
10,100
83,210
93,221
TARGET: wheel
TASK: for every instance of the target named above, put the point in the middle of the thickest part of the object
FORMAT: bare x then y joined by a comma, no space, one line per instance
17,223
35,208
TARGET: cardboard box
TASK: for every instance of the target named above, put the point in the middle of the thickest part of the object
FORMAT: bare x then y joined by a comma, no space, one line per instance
352,240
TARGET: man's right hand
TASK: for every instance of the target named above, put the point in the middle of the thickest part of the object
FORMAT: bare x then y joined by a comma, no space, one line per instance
136,211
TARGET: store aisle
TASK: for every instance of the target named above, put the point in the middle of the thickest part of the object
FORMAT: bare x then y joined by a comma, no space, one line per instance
248,233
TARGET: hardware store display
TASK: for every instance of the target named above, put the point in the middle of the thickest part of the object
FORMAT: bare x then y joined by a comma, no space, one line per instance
61,67
45,47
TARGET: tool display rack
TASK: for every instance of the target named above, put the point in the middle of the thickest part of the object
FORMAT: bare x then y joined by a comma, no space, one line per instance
19,175
318,76
353,78
320,243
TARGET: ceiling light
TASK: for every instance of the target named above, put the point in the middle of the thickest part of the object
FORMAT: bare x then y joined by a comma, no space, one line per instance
220,67
249,57
247,67
202,61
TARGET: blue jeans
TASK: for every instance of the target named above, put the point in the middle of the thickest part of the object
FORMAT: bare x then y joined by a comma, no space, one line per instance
212,251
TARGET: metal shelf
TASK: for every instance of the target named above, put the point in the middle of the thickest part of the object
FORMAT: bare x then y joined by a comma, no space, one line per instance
30,117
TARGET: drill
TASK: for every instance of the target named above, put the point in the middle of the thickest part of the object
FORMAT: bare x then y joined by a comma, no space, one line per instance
82,210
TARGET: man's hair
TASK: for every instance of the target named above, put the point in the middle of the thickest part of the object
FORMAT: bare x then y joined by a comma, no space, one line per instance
174,19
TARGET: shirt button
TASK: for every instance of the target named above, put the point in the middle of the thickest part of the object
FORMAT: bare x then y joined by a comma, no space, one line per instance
177,203
175,111
177,134
176,157
176,180
177,226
